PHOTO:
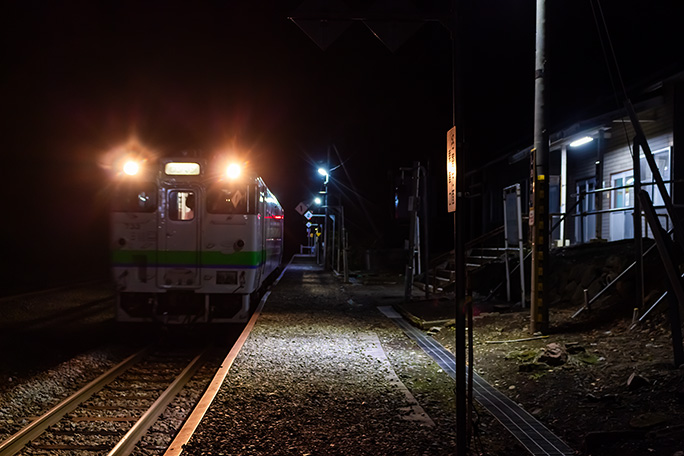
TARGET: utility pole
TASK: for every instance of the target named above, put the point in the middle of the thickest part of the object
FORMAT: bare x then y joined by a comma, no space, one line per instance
456,143
539,214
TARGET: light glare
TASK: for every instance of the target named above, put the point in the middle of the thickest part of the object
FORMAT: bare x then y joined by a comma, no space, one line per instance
322,172
131,168
581,141
233,171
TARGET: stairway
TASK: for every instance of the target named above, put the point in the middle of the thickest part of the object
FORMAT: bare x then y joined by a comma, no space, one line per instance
480,252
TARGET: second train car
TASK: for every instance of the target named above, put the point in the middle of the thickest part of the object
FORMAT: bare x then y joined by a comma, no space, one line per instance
191,244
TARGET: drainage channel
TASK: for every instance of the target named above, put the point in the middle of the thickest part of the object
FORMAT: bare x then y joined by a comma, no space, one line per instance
532,434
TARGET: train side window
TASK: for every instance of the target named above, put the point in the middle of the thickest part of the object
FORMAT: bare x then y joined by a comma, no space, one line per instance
227,201
181,205
140,197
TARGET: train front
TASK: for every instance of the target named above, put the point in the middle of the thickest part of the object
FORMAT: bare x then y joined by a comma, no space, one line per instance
188,244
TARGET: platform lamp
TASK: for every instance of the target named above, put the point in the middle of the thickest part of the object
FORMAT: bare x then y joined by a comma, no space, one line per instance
324,172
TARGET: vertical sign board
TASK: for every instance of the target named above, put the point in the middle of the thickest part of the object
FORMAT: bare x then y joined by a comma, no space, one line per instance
451,169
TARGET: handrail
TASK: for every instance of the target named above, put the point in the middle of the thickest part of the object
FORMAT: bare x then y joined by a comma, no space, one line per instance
484,237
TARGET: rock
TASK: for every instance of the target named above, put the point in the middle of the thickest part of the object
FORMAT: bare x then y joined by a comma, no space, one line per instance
434,330
590,274
587,358
647,420
574,348
680,393
577,296
596,441
636,381
533,367
553,355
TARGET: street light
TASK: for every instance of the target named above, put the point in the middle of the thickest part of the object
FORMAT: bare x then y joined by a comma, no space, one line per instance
324,172
343,235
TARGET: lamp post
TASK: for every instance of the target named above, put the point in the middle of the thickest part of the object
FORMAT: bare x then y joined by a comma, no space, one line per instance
324,172
342,245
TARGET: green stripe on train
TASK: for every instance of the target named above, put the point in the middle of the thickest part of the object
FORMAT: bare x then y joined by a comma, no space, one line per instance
174,257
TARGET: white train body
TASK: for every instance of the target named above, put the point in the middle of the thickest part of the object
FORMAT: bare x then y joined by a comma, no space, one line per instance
192,246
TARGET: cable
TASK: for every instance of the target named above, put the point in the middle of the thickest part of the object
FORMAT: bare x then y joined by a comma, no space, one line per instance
601,31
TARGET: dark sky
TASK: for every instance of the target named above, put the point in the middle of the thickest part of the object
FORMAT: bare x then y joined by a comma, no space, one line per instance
82,77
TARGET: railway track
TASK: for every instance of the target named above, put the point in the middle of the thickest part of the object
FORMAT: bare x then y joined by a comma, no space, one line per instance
112,413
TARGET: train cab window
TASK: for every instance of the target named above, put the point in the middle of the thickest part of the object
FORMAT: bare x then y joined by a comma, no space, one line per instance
228,200
138,197
181,205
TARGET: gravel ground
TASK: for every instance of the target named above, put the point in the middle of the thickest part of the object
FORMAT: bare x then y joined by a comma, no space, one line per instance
324,373
48,343
33,396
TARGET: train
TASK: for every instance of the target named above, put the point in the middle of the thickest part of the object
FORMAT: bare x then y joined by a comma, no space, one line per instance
191,241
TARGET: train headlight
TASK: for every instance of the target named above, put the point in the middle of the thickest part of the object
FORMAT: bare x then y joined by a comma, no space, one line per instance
233,171
131,168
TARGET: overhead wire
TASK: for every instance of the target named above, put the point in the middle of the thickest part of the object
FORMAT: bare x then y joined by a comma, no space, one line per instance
602,29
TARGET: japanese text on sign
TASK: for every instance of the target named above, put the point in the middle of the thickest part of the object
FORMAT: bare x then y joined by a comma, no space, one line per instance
451,169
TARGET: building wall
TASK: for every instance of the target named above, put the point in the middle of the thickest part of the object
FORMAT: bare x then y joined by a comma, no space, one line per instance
657,124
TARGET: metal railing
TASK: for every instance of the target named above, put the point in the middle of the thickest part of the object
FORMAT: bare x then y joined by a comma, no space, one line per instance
582,215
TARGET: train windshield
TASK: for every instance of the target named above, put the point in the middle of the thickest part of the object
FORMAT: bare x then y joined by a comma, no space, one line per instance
181,205
136,197
233,200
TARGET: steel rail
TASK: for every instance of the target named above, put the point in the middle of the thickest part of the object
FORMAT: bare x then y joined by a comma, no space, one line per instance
193,421
20,439
127,444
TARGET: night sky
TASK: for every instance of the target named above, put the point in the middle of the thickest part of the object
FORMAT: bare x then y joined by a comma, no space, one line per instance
81,78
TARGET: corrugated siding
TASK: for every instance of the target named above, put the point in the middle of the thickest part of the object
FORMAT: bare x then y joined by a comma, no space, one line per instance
618,158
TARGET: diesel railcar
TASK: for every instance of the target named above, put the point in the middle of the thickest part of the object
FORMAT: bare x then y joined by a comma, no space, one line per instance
191,244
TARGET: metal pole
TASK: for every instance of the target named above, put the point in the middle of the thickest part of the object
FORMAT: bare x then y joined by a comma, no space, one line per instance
426,234
505,211
520,245
460,296
638,243
325,227
413,211
344,242
325,224
539,312
598,197
582,197
666,249
563,191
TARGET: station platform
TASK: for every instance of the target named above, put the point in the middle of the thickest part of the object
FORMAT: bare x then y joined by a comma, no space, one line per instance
333,368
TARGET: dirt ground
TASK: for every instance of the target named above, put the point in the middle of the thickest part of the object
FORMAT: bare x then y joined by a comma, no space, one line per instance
602,387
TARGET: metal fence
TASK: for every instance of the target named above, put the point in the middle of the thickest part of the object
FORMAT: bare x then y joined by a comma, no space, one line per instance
583,215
